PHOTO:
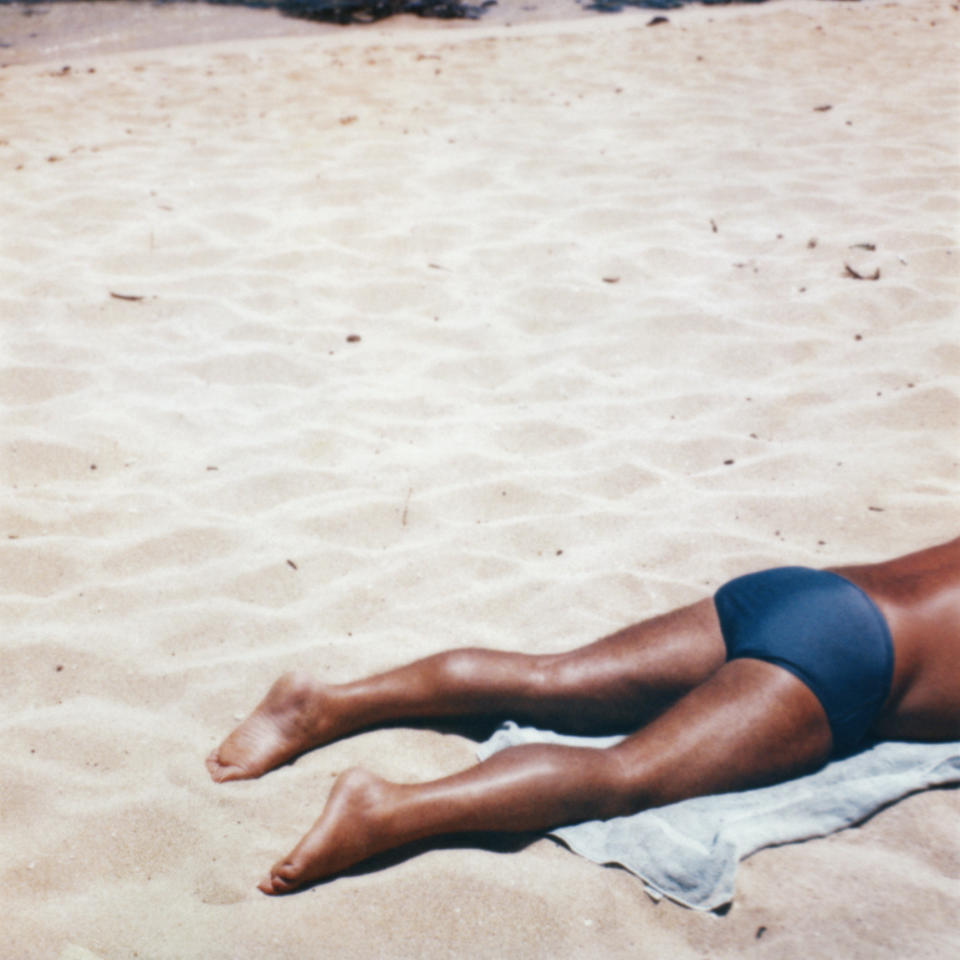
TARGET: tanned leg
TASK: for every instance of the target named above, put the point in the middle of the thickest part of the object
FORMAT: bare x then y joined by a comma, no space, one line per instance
617,683
751,723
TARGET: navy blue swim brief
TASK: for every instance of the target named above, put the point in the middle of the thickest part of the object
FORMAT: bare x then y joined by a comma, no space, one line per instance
822,628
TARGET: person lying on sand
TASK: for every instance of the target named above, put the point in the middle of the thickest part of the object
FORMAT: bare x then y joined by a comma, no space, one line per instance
776,674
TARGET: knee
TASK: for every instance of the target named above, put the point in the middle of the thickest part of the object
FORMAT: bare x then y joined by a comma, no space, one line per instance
632,785
461,668
516,672
556,674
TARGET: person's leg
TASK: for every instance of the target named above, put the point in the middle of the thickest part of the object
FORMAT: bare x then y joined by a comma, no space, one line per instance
618,682
751,723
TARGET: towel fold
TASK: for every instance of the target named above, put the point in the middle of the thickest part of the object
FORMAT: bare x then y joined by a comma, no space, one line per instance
689,851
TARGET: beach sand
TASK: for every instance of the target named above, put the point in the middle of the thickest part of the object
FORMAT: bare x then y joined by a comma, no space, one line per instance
336,350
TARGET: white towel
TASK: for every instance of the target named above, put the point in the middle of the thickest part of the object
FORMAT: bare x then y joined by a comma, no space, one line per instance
689,851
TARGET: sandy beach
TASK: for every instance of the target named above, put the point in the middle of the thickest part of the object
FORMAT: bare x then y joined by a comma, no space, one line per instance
339,348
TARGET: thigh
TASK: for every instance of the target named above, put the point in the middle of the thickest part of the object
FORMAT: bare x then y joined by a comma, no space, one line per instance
667,655
752,723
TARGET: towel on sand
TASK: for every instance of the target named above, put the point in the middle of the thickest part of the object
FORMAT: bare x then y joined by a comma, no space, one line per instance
689,851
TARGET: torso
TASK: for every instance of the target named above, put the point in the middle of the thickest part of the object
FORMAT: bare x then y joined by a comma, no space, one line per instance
919,595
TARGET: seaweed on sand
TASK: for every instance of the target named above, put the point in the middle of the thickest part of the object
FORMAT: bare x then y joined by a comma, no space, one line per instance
366,11
615,6
334,11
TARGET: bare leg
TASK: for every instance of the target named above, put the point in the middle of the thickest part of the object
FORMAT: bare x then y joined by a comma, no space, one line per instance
751,723
618,682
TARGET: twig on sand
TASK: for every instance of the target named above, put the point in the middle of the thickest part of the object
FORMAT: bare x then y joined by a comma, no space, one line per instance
861,276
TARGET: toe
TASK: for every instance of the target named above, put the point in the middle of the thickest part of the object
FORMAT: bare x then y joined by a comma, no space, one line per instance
266,885
213,764
222,771
282,879
218,770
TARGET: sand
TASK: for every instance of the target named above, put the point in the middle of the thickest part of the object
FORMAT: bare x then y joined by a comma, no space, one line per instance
336,350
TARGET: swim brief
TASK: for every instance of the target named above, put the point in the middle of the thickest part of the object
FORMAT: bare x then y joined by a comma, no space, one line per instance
822,628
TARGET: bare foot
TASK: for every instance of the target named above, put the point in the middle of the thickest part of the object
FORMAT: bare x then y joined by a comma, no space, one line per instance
292,718
350,829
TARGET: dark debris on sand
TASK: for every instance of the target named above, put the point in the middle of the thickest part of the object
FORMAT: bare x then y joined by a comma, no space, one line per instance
329,11
615,6
367,11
